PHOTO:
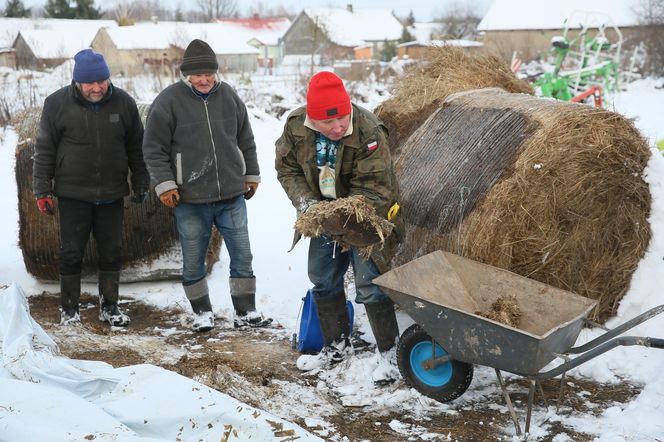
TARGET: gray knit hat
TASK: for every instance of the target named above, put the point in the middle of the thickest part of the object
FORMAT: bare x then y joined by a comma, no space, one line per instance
199,58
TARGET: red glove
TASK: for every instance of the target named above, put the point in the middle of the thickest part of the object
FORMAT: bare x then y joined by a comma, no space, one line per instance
46,204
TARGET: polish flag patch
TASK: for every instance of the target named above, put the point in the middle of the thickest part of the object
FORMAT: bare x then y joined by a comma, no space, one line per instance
372,146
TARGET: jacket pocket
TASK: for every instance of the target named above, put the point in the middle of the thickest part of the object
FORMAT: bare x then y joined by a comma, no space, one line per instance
243,165
178,168
372,165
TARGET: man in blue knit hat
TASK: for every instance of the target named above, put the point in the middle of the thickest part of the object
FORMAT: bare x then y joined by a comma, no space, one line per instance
90,136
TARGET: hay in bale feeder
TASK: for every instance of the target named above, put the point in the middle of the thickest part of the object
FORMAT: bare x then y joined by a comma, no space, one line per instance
150,246
546,189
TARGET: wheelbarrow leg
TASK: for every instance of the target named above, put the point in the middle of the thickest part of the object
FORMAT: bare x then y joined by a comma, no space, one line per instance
508,401
560,391
531,399
541,390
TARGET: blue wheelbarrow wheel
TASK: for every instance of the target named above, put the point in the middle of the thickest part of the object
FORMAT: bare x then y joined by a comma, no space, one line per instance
444,382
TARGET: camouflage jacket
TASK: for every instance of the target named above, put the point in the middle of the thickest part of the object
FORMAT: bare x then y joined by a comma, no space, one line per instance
363,167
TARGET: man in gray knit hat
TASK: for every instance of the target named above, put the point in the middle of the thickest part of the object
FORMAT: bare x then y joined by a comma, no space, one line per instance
201,155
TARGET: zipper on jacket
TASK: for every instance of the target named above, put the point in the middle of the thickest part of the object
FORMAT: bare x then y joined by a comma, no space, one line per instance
214,148
178,169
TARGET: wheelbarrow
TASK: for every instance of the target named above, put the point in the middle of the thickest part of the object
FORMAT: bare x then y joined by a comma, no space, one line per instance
446,295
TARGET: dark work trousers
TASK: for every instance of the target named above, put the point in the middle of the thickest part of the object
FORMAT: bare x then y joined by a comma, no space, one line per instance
77,220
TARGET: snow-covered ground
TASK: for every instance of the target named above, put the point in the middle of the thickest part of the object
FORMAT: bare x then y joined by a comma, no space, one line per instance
282,279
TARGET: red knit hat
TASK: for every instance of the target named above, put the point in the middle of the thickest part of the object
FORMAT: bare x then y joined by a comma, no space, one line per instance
327,97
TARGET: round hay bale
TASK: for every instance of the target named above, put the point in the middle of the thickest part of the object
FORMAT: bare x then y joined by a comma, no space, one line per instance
549,190
446,70
150,247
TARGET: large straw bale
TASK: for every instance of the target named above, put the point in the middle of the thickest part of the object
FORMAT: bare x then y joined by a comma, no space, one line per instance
150,244
446,70
549,190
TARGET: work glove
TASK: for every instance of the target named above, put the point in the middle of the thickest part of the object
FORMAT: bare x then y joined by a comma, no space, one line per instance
250,190
139,197
46,204
344,228
170,198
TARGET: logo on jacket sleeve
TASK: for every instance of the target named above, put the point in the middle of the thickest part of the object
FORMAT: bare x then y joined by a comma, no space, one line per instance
372,146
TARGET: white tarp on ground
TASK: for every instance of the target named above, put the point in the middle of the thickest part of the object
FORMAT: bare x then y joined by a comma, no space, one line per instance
45,396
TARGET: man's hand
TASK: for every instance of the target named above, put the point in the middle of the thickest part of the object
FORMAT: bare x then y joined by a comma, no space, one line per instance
139,197
250,190
170,198
46,204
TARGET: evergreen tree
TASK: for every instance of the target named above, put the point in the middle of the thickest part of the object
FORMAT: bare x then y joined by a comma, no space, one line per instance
389,51
59,9
406,36
15,8
85,9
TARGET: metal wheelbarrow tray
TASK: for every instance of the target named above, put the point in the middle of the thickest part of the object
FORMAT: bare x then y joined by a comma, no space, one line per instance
443,293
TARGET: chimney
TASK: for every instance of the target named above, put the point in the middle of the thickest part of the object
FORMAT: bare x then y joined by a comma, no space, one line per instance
349,7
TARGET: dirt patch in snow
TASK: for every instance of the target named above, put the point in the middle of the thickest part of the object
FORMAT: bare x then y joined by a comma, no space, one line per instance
258,368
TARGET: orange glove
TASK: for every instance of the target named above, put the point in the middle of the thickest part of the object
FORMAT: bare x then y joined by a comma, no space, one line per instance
170,198
250,190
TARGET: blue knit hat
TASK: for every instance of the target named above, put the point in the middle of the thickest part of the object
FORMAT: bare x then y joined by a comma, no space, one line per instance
90,66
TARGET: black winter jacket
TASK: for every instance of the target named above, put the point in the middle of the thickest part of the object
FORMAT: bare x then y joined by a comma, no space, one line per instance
84,150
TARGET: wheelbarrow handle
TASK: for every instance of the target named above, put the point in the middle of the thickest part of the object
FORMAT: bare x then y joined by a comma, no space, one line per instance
598,350
617,331
656,343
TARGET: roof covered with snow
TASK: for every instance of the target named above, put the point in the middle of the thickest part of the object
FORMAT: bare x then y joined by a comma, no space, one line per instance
179,34
57,43
458,43
423,31
504,15
266,30
10,27
355,28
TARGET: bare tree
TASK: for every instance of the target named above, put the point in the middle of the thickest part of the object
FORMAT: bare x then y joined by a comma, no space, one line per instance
460,20
212,9
651,34
130,11
260,9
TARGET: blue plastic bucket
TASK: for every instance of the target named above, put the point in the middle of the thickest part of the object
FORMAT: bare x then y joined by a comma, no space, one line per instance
310,338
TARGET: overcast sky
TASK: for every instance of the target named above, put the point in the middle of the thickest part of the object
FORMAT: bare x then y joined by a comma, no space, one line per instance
424,10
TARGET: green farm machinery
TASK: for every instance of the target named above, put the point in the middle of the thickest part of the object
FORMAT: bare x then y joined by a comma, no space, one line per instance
585,67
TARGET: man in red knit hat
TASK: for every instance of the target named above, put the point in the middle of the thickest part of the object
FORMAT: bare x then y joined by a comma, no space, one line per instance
331,149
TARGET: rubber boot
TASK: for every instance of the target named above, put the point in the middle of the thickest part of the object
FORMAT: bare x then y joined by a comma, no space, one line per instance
199,298
109,286
243,296
383,322
334,325
70,292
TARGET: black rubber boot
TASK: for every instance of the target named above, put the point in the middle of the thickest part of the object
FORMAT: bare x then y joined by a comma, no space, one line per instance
109,288
335,326
333,317
201,305
203,316
383,321
70,292
243,296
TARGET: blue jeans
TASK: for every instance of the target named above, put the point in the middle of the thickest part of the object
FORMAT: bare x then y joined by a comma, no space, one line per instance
194,224
327,266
